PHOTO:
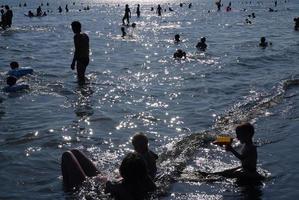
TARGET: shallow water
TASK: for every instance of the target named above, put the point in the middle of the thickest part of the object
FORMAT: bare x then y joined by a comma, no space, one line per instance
135,85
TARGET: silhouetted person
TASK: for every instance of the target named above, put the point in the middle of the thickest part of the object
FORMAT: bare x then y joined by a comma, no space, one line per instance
127,15
66,8
123,32
8,14
202,44
140,143
247,21
59,9
218,4
30,14
138,10
190,5
263,42
177,38
275,3
296,20
81,54
39,11
159,10
136,183
3,22
179,54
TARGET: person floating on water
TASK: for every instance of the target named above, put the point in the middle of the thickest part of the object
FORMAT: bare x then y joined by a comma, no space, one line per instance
159,10
18,72
81,54
140,143
138,10
127,15
202,44
179,54
12,86
296,20
263,42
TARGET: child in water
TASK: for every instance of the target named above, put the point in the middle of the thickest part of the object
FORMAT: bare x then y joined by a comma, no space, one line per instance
140,143
18,72
202,44
12,86
247,156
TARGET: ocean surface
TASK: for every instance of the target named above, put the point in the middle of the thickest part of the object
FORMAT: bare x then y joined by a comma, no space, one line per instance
136,85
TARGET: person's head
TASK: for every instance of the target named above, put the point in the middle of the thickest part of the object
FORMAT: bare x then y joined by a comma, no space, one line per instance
203,39
11,80
133,168
245,132
263,39
76,26
6,7
134,25
177,37
14,65
127,6
140,142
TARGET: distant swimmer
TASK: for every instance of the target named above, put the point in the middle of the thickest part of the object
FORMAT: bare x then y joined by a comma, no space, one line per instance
12,86
296,20
190,5
81,54
30,14
202,44
159,10
39,11
138,10
66,8
59,9
127,15
263,42
179,54
177,38
18,72
248,21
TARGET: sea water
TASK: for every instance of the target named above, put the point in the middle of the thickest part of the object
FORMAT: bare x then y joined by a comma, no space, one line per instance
136,85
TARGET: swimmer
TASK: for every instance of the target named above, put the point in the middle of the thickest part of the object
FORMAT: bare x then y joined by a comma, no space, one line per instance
263,42
296,20
127,15
140,143
81,54
18,72
8,15
12,86
202,44
248,21
179,54
177,38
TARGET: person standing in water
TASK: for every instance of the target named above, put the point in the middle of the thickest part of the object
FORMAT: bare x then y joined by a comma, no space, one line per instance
159,10
138,10
81,54
127,15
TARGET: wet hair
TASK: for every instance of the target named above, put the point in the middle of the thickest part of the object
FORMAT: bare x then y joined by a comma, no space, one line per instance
76,26
245,128
14,65
140,142
11,80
